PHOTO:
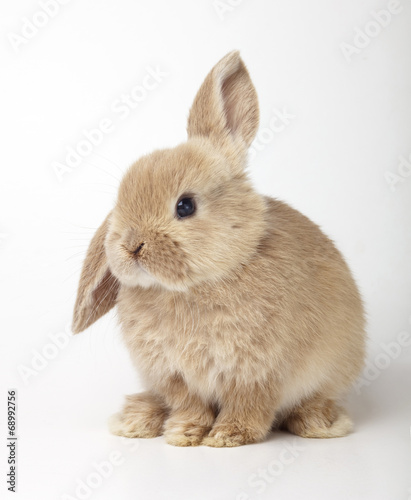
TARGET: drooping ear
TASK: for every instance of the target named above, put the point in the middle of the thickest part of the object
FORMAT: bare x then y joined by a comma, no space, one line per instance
98,288
226,104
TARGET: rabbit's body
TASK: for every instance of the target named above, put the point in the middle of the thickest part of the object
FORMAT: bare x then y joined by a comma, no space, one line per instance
222,333
239,313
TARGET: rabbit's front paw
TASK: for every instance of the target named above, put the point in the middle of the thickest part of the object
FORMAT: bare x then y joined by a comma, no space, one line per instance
142,416
186,434
232,434
182,431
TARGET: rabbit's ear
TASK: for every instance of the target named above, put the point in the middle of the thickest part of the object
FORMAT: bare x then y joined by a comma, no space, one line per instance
97,291
226,104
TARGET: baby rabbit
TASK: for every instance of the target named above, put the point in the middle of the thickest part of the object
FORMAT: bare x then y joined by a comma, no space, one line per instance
238,312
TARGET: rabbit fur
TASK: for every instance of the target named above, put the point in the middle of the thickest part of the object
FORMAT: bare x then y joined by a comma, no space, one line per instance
239,318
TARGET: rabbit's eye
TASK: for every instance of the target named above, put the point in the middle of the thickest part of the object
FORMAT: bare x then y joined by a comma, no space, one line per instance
185,207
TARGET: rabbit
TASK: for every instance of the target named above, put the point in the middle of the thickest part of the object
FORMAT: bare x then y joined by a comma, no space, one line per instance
239,314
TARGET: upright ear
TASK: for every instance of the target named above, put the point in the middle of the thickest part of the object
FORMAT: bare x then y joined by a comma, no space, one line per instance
98,288
226,106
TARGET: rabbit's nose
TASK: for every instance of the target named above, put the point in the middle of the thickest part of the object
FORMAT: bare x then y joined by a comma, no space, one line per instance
138,249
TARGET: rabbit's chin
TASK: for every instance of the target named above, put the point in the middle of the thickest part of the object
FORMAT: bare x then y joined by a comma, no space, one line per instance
140,277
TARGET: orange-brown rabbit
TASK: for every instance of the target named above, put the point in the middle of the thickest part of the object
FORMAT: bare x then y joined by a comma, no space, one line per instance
238,312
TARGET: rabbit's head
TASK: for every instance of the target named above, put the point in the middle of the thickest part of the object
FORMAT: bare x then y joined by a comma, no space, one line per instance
185,215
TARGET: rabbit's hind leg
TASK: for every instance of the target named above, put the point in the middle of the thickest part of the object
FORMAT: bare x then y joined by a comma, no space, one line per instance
318,417
142,416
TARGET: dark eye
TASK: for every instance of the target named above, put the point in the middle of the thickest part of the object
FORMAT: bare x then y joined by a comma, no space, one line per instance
185,207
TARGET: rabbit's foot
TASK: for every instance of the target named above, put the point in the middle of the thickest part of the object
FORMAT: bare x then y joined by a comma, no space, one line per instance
318,418
186,434
229,434
142,416
180,430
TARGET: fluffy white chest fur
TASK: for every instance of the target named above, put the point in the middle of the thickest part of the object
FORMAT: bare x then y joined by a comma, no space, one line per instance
207,345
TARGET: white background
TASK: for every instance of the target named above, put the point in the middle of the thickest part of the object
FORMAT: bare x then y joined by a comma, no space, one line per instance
351,124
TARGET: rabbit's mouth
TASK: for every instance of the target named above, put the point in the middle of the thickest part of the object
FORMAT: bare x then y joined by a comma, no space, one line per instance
137,275
126,264
143,277
142,269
